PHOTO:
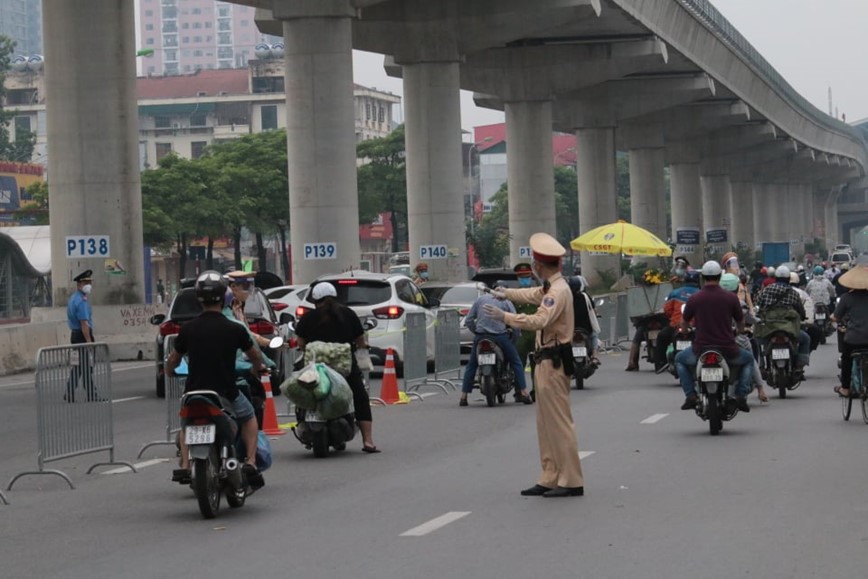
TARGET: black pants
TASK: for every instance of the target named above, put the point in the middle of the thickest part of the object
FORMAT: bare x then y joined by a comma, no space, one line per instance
664,338
361,402
815,334
82,373
847,362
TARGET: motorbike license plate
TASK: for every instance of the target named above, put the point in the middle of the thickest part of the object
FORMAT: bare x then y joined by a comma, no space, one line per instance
579,351
780,354
712,374
652,334
682,344
820,316
311,416
201,434
485,359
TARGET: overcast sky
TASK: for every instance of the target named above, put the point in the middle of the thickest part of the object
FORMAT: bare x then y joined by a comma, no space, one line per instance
814,44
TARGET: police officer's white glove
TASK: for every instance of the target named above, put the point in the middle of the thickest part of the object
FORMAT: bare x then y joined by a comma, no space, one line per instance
493,312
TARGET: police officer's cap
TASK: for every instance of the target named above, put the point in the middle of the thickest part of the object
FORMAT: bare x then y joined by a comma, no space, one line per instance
86,275
546,248
523,268
239,276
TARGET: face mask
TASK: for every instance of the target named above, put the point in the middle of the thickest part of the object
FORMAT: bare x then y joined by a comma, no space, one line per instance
525,281
423,274
680,272
86,289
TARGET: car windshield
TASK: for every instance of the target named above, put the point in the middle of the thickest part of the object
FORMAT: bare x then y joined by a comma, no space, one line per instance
360,292
459,295
186,305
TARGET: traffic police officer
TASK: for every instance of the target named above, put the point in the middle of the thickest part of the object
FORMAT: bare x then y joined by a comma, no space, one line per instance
561,474
78,313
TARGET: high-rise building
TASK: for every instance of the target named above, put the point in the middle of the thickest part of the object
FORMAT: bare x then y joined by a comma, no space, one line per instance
21,20
191,35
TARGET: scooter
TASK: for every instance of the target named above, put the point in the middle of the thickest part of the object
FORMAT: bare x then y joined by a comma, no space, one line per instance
778,367
318,434
822,321
651,325
585,367
682,341
494,373
715,385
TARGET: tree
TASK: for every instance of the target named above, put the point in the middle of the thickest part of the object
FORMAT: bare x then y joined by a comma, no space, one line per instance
20,150
382,182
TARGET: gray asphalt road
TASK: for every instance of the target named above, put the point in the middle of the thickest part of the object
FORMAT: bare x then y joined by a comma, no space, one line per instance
776,495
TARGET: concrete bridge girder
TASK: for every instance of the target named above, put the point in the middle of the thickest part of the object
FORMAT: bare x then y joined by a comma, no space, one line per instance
740,163
725,141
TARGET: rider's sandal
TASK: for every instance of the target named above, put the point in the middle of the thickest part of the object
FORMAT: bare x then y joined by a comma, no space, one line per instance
842,392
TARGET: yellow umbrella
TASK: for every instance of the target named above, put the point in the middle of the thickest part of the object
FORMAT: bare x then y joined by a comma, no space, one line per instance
621,237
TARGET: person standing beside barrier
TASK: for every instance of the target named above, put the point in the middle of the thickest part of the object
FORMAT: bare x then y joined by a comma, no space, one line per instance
561,474
79,317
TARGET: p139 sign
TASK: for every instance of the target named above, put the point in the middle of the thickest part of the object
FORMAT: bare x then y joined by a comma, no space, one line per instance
88,246
328,250
432,252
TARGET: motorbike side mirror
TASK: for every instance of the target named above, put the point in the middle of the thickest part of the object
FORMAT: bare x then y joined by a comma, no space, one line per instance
291,326
369,324
286,318
276,342
600,302
157,319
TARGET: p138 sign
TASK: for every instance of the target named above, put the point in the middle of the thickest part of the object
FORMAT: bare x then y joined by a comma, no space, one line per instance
432,252
87,246
327,250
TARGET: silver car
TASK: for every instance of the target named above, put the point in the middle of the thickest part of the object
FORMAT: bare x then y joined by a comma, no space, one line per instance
460,296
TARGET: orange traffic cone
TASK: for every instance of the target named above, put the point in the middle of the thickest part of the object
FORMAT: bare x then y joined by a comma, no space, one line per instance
269,419
389,387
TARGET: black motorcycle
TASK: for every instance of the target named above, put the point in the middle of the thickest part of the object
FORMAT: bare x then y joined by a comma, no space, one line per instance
715,385
683,340
650,326
822,321
318,434
494,372
779,368
584,366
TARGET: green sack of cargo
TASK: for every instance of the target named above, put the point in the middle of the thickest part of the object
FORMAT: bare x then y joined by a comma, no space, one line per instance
778,319
339,357
339,401
324,383
299,387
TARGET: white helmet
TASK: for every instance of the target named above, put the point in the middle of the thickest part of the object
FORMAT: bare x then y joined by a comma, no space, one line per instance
782,272
770,271
794,278
321,290
711,269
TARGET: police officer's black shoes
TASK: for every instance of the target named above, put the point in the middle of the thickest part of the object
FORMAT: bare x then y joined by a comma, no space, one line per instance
690,402
536,491
565,492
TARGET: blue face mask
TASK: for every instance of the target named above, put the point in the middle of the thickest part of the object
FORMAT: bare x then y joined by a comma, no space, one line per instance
525,281
423,274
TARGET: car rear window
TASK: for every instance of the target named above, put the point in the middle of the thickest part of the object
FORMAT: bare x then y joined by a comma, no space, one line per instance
185,306
279,293
841,257
360,292
460,295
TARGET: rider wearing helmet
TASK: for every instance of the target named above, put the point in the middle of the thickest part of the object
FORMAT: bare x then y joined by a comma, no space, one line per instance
780,297
713,311
731,283
821,290
814,333
210,342
584,315
672,308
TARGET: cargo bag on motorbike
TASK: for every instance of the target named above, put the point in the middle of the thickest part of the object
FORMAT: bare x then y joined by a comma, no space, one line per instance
778,319
339,401
300,385
263,452
336,356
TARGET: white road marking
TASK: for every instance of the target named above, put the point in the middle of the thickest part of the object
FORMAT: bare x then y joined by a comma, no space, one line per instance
435,524
128,399
586,453
138,466
31,382
654,418
427,394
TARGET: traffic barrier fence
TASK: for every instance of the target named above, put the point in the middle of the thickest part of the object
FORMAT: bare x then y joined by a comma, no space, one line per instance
174,390
447,345
73,407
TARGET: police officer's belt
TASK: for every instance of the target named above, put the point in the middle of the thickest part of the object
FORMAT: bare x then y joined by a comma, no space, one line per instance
559,354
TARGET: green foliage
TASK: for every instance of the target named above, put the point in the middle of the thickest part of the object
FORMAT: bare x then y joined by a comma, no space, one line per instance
21,150
622,186
382,182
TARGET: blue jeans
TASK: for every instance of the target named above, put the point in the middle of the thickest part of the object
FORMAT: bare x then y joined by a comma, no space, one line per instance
509,351
804,347
685,364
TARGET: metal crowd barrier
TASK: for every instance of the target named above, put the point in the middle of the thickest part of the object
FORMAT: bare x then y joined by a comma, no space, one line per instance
416,355
614,321
447,345
73,406
174,390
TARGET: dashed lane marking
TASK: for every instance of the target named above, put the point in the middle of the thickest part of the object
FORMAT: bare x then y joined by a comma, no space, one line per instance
138,465
435,524
654,418
116,401
586,453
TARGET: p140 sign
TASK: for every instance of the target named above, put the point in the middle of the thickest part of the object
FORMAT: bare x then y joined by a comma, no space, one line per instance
432,252
88,246
525,252
327,250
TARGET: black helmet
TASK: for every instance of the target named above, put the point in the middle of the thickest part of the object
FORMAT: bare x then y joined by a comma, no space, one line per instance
577,283
210,287
691,277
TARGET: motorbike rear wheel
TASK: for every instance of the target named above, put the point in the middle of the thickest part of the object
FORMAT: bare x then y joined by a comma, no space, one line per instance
206,484
320,443
488,390
235,499
713,411
580,381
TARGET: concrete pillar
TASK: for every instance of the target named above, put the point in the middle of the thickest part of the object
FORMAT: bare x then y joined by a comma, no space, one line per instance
685,193
778,212
808,211
435,194
648,190
831,211
597,194
795,219
763,208
530,173
741,209
93,161
715,212
321,144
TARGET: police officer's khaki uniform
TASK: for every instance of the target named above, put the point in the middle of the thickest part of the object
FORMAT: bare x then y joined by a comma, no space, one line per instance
553,322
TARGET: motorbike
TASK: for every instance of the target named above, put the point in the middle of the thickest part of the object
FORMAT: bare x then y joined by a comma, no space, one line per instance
682,341
651,324
822,321
779,368
584,366
216,452
494,372
715,385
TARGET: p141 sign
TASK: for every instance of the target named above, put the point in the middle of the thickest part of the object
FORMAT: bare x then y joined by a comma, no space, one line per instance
432,252
327,250
88,246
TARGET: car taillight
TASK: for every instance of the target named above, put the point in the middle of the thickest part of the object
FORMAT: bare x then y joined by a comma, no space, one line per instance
388,313
200,410
348,282
780,340
300,311
486,346
278,306
262,327
169,327
710,358
293,343
464,311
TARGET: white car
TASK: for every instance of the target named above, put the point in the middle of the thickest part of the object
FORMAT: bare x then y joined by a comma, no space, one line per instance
287,298
387,298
